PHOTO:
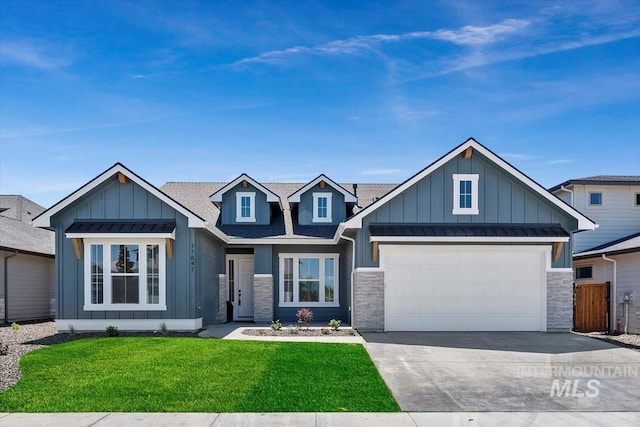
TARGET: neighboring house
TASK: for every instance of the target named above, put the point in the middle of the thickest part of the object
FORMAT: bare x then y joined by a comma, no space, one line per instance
468,243
26,262
611,253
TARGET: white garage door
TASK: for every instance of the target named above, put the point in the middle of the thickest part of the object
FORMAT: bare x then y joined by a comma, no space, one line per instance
464,288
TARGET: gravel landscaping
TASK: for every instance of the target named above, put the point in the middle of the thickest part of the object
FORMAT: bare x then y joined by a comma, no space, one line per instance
29,337
631,341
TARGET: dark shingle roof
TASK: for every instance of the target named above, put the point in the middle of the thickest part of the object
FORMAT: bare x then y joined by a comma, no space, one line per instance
195,196
123,226
602,180
16,231
467,230
625,244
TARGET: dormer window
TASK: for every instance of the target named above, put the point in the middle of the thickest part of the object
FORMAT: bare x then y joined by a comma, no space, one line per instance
465,194
322,207
245,207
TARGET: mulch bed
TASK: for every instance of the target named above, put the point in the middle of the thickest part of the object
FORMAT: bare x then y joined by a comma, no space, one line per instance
292,331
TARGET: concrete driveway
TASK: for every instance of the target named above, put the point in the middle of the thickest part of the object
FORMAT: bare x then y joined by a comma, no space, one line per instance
505,371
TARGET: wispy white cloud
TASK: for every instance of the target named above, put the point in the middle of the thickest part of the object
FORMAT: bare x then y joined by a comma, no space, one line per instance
556,162
465,36
34,53
516,156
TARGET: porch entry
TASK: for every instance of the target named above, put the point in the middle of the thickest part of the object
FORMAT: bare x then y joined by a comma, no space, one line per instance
240,279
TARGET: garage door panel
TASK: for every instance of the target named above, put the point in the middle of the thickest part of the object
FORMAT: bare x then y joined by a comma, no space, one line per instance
464,288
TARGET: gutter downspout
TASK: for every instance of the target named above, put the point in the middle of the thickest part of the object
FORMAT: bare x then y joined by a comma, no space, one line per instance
563,188
615,302
353,269
6,287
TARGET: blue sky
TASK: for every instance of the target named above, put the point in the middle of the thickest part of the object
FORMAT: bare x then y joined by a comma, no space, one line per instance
286,90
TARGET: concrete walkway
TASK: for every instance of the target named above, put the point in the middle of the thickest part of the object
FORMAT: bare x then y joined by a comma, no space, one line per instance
233,331
400,419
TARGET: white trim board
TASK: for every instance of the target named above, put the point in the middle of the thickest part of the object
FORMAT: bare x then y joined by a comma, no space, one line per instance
271,196
64,325
348,197
466,239
44,219
584,223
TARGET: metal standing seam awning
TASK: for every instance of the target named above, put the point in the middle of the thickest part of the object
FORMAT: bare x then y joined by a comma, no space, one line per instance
156,228
468,233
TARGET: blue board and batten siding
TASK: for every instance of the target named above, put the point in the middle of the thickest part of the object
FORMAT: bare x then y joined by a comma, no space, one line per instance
229,202
321,314
502,198
305,207
210,264
112,200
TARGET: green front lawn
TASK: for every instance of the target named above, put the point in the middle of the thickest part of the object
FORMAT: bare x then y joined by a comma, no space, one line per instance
197,375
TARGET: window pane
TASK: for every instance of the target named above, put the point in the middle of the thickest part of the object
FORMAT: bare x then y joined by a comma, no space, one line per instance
595,198
245,210
153,274
329,280
97,274
288,280
124,289
124,258
322,207
309,291
309,268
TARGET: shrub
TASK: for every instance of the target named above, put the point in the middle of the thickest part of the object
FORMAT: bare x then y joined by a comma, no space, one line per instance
4,349
15,326
351,332
293,330
335,324
276,325
112,331
305,315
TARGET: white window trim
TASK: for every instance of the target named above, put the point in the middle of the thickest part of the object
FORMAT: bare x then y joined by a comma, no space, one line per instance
601,199
142,282
316,197
296,290
473,210
252,203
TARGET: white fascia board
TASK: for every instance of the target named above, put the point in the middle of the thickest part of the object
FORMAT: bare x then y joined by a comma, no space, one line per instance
271,197
348,197
281,241
584,223
44,219
465,239
121,235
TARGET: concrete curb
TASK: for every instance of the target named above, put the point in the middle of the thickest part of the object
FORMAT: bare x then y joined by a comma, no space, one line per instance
321,419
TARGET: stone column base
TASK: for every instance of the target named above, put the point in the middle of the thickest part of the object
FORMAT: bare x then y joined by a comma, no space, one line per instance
559,301
263,297
223,296
368,300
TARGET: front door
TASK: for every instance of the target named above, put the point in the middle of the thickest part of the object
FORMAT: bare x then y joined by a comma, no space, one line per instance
240,277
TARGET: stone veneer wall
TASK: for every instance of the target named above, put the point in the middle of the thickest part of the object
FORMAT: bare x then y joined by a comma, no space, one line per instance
223,296
559,301
1,310
262,297
368,297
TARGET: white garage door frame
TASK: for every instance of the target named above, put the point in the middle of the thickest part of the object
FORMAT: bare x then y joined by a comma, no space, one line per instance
544,251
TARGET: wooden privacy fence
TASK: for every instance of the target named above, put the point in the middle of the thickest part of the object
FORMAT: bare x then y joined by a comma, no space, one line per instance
591,307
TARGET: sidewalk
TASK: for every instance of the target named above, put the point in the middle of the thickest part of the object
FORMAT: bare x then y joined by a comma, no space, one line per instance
401,419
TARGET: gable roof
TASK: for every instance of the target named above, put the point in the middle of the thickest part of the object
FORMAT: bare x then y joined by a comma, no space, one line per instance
601,180
584,223
348,197
16,232
44,219
623,245
271,197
